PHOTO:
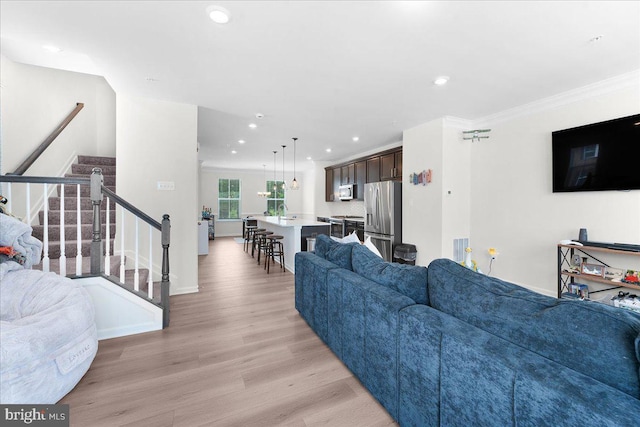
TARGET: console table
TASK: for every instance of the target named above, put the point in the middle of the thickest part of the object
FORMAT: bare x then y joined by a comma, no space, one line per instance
565,277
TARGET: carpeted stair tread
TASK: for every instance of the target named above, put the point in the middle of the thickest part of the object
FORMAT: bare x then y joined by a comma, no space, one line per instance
70,231
72,190
71,216
54,265
86,169
97,160
85,203
109,180
71,248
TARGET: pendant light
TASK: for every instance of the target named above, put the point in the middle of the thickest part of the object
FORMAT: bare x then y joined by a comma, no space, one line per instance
294,183
284,183
275,183
264,193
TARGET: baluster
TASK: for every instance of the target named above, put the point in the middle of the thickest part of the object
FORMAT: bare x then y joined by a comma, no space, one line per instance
78,233
150,281
136,275
45,235
165,285
107,261
122,245
9,196
63,257
28,218
97,258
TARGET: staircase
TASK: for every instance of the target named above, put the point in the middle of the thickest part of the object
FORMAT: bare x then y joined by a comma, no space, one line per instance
83,168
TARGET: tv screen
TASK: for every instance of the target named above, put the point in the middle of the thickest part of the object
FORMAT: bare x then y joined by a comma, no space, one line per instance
599,156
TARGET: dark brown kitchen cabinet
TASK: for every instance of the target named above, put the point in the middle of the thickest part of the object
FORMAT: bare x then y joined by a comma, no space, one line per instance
361,178
337,181
373,169
383,166
328,185
398,165
391,166
348,174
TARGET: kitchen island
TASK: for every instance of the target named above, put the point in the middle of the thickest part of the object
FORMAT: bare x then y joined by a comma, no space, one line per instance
295,232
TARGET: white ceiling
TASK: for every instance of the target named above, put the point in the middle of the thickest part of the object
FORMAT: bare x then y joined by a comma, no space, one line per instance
328,71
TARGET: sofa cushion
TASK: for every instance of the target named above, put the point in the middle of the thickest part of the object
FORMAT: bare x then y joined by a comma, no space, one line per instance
409,280
592,338
337,253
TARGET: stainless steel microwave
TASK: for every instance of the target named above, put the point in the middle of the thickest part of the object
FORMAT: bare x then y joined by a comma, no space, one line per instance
346,192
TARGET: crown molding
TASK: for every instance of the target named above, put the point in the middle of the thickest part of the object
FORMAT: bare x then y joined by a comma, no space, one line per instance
624,81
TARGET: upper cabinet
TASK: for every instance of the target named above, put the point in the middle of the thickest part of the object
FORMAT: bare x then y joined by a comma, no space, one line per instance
391,166
361,178
373,169
382,166
348,174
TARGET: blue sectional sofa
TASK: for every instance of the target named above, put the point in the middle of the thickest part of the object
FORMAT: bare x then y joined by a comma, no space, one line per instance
445,346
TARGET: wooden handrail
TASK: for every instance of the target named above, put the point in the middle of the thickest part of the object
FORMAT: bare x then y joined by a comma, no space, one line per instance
45,144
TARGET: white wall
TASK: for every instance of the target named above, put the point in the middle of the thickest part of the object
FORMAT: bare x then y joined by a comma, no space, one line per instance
501,187
512,204
157,141
251,181
34,100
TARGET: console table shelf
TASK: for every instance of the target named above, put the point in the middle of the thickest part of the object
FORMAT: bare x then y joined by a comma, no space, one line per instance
566,252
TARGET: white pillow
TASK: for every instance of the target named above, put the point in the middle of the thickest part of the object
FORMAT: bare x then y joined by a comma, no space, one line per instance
369,244
351,238
336,239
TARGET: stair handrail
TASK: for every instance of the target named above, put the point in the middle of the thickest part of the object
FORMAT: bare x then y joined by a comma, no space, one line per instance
26,164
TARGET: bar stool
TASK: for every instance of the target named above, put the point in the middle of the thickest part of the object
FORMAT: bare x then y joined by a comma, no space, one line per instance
274,247
261,237
254,241
248,236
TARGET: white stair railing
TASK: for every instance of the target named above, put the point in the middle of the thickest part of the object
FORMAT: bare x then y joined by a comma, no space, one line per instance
45,235
98,267
78,233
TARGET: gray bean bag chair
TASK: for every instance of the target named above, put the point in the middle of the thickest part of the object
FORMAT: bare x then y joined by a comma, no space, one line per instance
48,336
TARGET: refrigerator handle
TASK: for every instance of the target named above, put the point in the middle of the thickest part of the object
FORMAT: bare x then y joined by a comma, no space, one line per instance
377,204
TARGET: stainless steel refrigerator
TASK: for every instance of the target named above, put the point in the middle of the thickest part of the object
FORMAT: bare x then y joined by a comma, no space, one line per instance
383,215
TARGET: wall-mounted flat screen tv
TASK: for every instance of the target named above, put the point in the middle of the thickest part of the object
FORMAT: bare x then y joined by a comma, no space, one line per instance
599,156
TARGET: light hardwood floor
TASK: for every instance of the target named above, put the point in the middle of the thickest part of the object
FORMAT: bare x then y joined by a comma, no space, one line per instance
236,354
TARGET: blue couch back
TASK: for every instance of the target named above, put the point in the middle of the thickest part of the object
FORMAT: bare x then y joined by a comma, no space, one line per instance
591,338
409,280
336,252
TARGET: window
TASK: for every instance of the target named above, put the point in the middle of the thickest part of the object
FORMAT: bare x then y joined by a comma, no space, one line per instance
275,202
229,198
590,151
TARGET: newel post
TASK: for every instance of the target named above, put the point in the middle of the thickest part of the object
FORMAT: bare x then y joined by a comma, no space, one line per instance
165,284
96,241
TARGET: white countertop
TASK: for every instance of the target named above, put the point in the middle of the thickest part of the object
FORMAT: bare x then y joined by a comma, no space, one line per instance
289,222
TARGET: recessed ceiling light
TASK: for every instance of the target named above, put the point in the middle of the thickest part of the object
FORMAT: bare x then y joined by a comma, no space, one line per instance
259,116
233,151
253,125
51,48
441,80
218,14
309,158
356,139
241,141
328,150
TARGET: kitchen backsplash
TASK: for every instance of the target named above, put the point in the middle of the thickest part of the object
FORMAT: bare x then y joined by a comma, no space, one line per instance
353,208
